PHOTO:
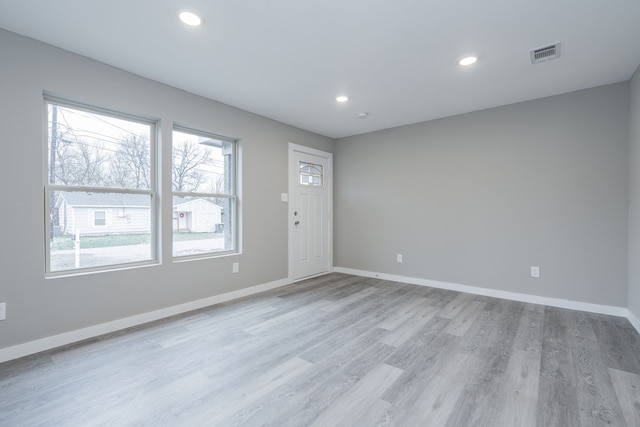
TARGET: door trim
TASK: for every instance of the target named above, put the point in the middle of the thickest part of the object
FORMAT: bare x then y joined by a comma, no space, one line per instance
290,218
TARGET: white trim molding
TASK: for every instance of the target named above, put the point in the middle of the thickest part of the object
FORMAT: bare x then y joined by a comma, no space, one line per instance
633,320
65,338
48,343
513,296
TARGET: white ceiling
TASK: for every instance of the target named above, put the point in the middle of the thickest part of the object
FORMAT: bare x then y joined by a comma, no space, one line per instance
396,59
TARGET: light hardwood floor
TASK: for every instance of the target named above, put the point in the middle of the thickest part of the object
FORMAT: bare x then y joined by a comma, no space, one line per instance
341,350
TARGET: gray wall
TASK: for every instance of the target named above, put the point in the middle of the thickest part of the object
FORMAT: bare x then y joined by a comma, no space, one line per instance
477,199
473,199
634,196
37,307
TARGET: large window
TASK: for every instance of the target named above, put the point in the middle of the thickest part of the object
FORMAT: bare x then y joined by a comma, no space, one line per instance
204,193
100,192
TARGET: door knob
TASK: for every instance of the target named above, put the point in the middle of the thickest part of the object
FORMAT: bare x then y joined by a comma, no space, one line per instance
296,223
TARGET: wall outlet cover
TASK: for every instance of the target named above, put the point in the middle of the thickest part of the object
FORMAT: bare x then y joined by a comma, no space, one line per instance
535,271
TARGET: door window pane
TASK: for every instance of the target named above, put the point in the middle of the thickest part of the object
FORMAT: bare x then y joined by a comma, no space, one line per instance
310,174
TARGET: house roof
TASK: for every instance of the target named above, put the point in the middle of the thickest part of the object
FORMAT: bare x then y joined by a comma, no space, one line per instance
179,201
78,198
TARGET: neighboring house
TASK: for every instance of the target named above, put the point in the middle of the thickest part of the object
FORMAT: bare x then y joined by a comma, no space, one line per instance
196,215
106,213
102,213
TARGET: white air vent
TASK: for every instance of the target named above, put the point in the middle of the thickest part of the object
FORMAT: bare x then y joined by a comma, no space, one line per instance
546,53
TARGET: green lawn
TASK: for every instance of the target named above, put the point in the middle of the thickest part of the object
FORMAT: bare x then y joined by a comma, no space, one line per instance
111,240
179,237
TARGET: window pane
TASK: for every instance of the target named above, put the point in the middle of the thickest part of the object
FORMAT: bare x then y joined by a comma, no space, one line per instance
91,149
99,218
202,225
201,164
310,174
94,229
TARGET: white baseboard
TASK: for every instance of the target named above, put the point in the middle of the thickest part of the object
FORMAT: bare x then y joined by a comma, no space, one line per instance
514,296
633,320
48,343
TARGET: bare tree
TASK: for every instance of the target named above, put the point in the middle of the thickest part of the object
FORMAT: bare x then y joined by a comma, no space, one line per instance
187,160
79,161
130,165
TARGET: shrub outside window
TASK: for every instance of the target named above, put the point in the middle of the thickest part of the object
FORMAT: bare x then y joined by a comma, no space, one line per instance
204,193
100,191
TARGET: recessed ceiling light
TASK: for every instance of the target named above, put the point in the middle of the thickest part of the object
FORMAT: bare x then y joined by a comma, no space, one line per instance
467,60
190,18
342,98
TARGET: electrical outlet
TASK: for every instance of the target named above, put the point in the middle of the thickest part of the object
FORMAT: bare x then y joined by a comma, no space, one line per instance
535,271
236,267
3,310
399,258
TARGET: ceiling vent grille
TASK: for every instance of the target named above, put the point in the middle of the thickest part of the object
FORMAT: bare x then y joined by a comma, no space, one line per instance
546,53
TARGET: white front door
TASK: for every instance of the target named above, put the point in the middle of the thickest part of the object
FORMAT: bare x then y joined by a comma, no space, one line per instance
310,181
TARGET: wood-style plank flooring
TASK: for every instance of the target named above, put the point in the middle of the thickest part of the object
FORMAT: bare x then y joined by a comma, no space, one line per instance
341,350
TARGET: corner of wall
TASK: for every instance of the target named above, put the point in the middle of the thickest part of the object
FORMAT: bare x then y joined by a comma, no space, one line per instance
633,293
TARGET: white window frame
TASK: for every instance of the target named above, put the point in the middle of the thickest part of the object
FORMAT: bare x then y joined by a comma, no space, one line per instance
154,209
235,222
